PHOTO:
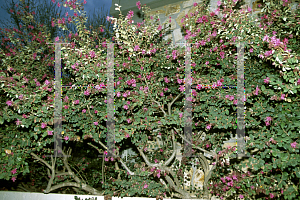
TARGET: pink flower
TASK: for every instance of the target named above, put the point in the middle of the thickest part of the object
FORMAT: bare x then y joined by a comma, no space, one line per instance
84,2
174,54
57,39
298,82
24,116
267,123
106,159
66,138
252,187
207,62
43,125
58,4
66,106
47,82
219,83
138,4
241,196
145,186
179,81
96,123
50,132
158,175
222,54
86,93
266,80
266,38
271,195
282,96
14,171
75,14
155,161
230,183
268,119
195,4
293,145
208,126
136,48
180,115
159,27
128,120
9,103
161,94
234,177
92,54
257,90
181,88
251,50
18,122
126,108
223,180
76,102
13,179
84,111
194,93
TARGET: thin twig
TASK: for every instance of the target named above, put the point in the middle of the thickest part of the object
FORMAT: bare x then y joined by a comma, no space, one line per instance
161,108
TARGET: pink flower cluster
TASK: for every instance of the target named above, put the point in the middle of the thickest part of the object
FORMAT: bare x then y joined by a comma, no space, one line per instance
267,80
268,120
256,90
132,81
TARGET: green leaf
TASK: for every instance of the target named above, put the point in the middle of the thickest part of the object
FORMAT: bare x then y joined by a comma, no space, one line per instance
227,112
1,120
298,174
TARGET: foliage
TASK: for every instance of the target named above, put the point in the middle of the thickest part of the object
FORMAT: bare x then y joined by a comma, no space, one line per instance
271,112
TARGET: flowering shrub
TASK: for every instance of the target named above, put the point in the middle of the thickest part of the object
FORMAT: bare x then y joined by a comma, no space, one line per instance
271,112
148,76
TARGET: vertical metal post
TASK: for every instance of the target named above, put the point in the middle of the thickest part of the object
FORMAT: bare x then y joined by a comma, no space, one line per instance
110,101
188,102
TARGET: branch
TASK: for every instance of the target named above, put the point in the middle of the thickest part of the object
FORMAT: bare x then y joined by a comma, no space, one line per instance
159,164
170,104
40,159
89,110
77,185
183,194
211,153
120,159
154,100
165,168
